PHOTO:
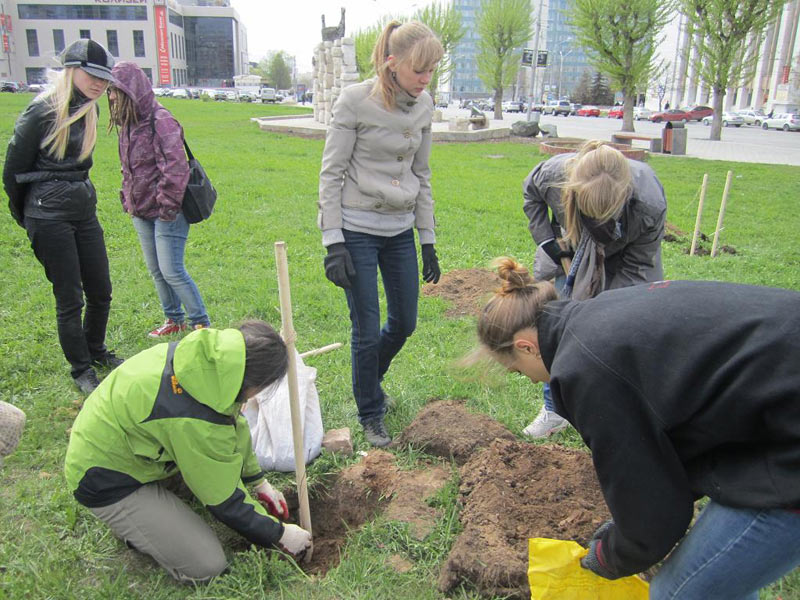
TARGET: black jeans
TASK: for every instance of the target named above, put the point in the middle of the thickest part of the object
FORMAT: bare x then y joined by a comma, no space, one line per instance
73,254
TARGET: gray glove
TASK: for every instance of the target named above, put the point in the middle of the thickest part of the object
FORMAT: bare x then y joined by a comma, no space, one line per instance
595,561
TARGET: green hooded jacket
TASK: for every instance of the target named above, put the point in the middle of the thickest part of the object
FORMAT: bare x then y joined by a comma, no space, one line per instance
144,424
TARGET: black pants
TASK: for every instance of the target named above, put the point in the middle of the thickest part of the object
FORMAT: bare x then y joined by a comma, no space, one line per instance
73,254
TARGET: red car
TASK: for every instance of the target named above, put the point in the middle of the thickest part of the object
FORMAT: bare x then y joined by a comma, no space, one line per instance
698,113
588,111
616,112
673,114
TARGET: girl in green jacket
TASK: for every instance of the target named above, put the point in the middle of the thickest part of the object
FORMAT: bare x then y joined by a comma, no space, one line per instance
175,408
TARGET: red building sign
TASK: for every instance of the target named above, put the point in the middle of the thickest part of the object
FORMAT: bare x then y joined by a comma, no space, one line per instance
162,45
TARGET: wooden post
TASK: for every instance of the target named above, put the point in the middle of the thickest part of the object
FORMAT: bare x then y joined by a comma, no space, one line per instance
721,213
287,328
322,350
699,215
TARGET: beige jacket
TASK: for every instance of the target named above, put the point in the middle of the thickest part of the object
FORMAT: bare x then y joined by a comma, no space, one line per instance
376,160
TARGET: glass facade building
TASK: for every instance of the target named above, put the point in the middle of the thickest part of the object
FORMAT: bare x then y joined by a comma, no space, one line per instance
566,58
464,81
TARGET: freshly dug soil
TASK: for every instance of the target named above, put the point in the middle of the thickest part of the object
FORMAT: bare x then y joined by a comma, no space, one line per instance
447,429
513,491
468,290
673,234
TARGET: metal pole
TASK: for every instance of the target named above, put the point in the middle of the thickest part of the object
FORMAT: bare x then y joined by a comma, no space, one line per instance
535,59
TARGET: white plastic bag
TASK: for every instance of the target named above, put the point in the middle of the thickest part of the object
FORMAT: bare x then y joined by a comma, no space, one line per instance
270,418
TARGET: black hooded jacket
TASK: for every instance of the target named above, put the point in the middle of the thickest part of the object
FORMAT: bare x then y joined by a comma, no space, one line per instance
681,390
39,185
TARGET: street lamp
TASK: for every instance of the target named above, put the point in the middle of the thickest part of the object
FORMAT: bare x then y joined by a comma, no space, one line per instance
561,55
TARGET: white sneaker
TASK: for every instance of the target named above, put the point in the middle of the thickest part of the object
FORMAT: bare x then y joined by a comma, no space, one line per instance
545,424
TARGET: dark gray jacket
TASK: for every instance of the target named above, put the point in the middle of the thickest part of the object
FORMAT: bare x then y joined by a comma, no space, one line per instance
39,185
681,389
636,256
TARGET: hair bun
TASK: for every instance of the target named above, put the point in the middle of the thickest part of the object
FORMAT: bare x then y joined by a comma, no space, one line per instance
513,274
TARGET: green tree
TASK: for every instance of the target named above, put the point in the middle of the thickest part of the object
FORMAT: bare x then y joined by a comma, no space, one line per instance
365,42
582,94
599,91
503,28
724,26
620,39
445,22
278,72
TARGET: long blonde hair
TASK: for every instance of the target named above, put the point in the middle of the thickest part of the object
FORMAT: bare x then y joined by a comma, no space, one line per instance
58,98
598,184
411,42
517,305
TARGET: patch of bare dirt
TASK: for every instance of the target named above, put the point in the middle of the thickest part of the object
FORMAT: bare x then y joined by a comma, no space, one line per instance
358,494
513,491
673,234
447,429
467,290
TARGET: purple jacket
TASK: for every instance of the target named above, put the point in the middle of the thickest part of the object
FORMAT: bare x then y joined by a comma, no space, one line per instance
155,170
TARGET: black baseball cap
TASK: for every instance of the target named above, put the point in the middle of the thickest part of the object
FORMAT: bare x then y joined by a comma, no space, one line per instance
89,56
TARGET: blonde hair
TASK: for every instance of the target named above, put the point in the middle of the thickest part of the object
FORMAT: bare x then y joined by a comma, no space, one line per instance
122,111
58,98
598,184
517,305
413,43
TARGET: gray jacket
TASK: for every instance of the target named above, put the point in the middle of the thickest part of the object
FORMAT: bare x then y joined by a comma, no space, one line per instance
376,160
632,259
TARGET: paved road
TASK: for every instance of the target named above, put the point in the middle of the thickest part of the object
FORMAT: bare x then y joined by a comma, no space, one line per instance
744,144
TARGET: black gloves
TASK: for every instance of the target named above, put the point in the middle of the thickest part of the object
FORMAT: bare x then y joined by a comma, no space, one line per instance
554,250
430,264
592,561
339,266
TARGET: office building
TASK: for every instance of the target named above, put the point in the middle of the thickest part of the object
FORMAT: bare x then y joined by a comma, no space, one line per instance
192,42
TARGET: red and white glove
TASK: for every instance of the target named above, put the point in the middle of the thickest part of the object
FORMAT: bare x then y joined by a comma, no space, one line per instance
272,500
295,540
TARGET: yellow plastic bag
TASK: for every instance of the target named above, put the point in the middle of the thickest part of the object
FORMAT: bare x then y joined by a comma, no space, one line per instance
555,573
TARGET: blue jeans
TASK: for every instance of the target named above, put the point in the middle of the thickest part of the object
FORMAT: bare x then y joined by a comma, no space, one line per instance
163,244
373,347
730,553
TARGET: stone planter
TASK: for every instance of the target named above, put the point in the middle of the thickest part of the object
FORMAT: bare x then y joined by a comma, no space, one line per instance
561,146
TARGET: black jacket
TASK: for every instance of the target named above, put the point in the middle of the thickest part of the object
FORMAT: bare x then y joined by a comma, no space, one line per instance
38,185
681,390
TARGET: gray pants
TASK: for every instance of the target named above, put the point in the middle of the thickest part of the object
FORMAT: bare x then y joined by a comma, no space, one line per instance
156,522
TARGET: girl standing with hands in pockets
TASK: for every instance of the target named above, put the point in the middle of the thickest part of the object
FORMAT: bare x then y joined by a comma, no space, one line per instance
374,189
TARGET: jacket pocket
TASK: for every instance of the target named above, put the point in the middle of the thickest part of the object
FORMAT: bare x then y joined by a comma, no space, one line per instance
52,194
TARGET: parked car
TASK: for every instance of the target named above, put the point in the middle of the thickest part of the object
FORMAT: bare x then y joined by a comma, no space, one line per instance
574,108
785,121
699,112
728,118
616,112
557,107
9,86
640,113
246,96
515,106
268,95
753,117
162,92
673,114
231,95
588,111
220,95
441,103
180,93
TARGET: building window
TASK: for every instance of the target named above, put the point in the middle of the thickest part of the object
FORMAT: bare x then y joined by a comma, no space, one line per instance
82,12
149,72
86,34
113,42
35,75
58,40
138,43
33,42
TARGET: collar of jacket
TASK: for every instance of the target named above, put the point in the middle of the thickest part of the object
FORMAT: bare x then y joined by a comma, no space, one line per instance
78,99
403,98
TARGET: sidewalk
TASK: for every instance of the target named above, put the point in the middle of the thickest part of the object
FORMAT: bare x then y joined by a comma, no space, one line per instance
746,144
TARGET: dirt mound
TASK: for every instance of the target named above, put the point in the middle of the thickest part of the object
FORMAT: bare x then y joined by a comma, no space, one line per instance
447,429
675,235
468,290
513,491
358,494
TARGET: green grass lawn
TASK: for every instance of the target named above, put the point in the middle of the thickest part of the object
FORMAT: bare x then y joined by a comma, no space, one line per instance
52,548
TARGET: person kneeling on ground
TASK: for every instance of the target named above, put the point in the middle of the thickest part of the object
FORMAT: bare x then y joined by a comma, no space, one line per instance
665,384
611,212
175,408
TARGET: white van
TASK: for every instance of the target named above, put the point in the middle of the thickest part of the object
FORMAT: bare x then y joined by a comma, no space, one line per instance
268,95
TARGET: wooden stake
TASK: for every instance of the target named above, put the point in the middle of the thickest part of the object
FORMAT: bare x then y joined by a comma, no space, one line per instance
322,350
721,213
699,215
287,328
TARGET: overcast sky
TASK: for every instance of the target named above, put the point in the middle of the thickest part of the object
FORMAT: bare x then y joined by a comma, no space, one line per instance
294,25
